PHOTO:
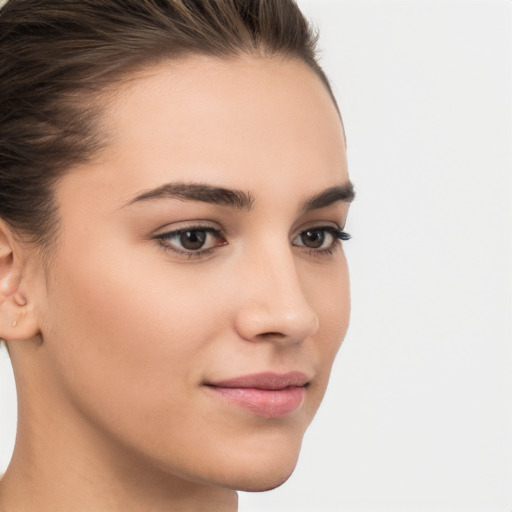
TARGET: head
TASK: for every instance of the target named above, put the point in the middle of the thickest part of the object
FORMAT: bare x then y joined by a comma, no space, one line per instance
173,191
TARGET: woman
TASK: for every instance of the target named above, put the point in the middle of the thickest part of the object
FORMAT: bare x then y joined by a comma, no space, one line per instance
173,197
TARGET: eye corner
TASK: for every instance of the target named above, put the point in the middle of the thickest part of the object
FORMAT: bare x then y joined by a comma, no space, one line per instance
343,235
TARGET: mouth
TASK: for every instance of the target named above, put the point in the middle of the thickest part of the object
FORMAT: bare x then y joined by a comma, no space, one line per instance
269,395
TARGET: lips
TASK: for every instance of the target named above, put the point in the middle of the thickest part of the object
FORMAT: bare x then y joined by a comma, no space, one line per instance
270,395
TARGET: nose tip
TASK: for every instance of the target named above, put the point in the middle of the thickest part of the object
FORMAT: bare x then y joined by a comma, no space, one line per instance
276,310
264,323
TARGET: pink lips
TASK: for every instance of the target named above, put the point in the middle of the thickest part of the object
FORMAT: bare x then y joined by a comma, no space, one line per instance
265,394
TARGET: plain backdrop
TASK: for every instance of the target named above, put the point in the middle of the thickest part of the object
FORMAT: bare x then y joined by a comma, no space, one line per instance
418,416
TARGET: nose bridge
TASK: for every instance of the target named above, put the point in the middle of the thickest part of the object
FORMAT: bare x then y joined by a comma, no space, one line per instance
275,306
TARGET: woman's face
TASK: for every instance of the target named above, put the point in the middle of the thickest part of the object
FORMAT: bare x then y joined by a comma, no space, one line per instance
199,291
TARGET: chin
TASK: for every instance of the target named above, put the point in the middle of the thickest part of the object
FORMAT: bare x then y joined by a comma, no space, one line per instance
265,484
263,473
260,481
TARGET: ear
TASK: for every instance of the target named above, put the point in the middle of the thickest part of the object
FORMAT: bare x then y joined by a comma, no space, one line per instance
17,314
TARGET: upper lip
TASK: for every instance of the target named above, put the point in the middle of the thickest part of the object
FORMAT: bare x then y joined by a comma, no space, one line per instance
266,380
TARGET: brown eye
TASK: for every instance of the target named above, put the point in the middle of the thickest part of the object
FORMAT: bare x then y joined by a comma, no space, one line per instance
320,239
192,240
313,238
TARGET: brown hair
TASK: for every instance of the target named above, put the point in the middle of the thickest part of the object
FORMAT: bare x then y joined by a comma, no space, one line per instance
57,56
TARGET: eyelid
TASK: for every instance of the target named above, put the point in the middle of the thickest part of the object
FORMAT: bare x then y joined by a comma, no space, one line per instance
205,225
318,224
163,240
336,232
338,237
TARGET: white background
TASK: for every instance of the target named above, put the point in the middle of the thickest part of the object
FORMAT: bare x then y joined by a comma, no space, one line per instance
418,416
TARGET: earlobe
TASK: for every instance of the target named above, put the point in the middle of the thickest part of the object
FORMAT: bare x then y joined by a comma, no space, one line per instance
17,319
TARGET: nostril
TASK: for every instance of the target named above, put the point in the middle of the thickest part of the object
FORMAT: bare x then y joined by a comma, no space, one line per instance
272,335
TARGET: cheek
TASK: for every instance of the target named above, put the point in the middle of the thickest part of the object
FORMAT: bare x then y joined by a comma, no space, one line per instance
329,295
126,333
328,291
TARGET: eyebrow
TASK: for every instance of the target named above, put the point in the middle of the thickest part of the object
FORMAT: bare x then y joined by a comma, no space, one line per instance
344,193
239,199
199,192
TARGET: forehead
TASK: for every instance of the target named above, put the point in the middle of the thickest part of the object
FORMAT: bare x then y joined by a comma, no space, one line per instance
255,124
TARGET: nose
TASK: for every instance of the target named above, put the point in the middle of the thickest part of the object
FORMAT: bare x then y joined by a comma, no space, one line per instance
273,305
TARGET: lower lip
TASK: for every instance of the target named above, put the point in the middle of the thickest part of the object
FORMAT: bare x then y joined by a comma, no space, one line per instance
269,403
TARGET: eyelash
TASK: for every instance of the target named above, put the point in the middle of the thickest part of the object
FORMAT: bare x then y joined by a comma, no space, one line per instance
338,235
164,237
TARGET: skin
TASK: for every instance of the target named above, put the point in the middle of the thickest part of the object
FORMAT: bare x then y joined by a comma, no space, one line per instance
115,339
